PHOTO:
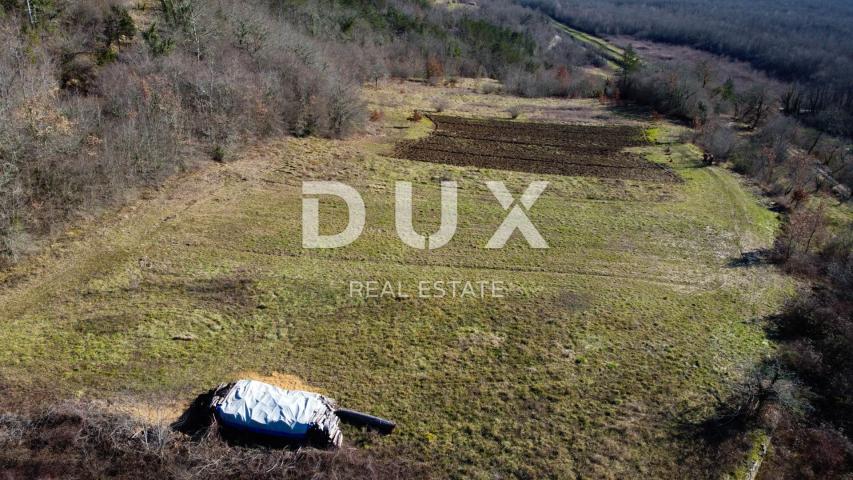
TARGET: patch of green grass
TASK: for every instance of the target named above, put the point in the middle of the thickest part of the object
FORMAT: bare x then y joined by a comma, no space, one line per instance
631,316
760,441
653,134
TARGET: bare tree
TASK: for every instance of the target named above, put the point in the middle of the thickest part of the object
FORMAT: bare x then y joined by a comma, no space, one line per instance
704,72
752,107
804,233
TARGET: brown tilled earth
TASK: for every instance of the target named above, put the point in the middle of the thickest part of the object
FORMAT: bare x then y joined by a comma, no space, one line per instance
579,150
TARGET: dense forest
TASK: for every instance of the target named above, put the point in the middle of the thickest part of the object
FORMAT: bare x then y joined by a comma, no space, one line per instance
806,42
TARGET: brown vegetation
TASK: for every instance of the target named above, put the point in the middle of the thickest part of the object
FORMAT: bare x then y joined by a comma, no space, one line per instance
434,71
376,116
131,113
554,82
415,116
83,440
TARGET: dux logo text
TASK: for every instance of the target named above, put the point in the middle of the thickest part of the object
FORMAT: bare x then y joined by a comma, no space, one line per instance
516,219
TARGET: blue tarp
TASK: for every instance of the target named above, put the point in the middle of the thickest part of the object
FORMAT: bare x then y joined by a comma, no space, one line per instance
266,409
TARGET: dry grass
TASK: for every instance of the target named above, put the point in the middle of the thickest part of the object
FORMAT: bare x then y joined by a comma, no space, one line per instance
634,313
281,380
80,440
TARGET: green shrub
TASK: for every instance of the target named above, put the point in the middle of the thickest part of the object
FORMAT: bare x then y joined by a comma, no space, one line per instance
118,25
157,45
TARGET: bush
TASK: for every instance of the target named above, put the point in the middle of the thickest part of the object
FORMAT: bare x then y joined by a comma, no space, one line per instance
345,109
719,140
218,154
33,135
802,236
766,387
415,116
817,330
489,89
118,25
800,451
440,104
434,70
551,83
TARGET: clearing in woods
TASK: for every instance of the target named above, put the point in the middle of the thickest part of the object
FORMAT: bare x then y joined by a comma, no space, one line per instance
633,318
610,52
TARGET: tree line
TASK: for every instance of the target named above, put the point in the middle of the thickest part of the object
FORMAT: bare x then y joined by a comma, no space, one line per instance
808,43
801,396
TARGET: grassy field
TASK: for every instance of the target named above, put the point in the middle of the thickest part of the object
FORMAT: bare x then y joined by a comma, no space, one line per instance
632,318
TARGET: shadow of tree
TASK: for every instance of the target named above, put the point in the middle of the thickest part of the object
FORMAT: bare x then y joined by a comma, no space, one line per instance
751,258
722,438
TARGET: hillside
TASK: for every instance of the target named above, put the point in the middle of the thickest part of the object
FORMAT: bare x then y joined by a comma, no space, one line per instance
603,343
109,97
674,303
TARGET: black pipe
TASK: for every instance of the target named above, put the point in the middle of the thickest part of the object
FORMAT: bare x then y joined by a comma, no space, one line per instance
359,419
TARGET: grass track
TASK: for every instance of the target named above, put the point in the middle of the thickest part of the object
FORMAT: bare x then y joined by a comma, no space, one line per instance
610,52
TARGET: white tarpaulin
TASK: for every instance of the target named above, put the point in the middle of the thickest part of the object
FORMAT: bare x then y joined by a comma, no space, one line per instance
266,409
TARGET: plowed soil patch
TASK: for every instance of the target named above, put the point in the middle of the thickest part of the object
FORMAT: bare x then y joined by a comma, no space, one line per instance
579,150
